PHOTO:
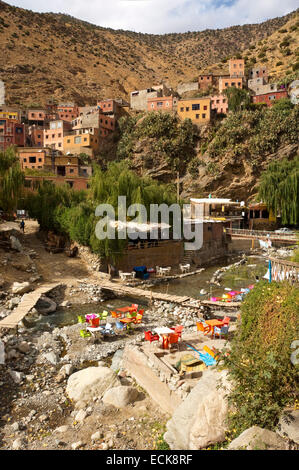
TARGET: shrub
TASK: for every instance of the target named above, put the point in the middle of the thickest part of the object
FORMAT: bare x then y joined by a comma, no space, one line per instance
259,361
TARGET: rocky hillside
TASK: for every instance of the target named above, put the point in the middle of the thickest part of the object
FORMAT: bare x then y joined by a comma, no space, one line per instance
54,55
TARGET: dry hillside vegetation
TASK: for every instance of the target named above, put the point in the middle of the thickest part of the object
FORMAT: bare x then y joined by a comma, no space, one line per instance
56,56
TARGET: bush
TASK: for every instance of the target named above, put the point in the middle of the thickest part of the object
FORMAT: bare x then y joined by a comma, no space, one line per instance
265,380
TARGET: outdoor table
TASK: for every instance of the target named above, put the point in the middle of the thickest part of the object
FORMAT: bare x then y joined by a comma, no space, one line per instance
93,330
213,323
126,275
127,321
164,332
165,270
125,310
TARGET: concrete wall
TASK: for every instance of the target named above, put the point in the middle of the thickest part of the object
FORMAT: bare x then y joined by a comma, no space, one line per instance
184,87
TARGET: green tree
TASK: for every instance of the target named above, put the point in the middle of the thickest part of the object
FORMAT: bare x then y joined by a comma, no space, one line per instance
11,180
279,189
238,99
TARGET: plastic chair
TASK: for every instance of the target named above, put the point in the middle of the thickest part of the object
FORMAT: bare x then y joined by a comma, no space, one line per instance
85,334
173,339
226,321
223,331
203,328
108,329
149,336
138,319
120,326
81,319
135,306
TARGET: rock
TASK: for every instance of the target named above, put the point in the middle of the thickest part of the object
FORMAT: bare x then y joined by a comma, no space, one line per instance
18,444
117,360
16,376
97,436
200,419
24,347
15,244
2,353
14,302
88,383
256,438
66,303
121,396
80,416
21,287
61,429
51,357
45,306
43,418
77,445
15,427
288,426
67,369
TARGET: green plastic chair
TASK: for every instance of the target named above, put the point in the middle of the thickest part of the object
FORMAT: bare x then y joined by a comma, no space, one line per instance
85,334
81,319
104,315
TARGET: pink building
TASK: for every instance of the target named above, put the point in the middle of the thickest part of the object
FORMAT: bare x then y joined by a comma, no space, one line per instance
219,103
53,137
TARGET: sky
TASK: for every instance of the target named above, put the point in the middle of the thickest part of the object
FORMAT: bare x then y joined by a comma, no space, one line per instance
164,16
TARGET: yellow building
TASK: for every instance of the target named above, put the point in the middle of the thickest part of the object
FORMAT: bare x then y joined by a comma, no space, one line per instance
196,109
82,141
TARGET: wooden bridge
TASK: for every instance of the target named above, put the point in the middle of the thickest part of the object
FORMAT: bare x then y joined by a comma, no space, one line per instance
285,238
133,292
28,302
282,270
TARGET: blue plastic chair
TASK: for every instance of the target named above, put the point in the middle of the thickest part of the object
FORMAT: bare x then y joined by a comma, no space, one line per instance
220,331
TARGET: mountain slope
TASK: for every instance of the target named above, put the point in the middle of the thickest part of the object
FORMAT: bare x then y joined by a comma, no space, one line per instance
56,56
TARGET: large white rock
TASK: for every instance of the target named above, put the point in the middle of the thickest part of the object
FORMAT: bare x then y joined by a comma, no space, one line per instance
256,438
288,426
85,385
120,397
200,420
2,352
21,287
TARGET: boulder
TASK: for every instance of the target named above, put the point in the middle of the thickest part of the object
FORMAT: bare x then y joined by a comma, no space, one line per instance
200,419
15,244
16,376
24,347
85,385
256,438
45,306
52,358
120,397
117,360
288,426
21,287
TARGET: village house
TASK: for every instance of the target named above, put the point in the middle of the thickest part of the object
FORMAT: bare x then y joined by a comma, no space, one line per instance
219,103
53,137
93,118
164,103
270,98
67,112
83,140
236,68
259,72
113,107
229,82
261,218
196,109
33,158
8,112
35,136
138,98
12,132
205,82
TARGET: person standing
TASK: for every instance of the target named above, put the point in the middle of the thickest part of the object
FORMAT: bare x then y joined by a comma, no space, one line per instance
22,226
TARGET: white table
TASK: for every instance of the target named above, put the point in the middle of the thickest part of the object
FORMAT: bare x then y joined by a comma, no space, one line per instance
93,330
165,271
163,330
125,276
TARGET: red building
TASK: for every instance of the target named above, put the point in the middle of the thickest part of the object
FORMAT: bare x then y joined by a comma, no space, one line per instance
270,98
11,133
163,103
205,81
67,112
36,136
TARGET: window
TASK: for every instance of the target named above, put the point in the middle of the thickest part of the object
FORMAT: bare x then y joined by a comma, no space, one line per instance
85,139
204,116
47,136
40,159
68,141
196,107
205,107
182,109
159,104
77,140
71,170
197,116
59,145
59,135
32,159
187,109
24,160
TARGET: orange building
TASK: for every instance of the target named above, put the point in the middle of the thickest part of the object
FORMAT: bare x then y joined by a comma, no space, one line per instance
163,103
225,83
219,103
82,141
32,158
36,136
196,109
236,68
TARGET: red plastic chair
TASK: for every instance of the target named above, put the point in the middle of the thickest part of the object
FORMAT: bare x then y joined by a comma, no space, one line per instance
173,339
226,321
149,336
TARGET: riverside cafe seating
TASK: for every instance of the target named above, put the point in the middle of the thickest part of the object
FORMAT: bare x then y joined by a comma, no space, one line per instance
233,296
